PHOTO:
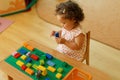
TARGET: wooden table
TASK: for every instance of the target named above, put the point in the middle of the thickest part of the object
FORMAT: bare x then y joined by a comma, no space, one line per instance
14,74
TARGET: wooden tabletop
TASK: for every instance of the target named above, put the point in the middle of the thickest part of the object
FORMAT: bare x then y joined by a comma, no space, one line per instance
16,74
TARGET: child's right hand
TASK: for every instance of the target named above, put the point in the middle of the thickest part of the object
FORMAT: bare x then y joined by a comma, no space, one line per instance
52,33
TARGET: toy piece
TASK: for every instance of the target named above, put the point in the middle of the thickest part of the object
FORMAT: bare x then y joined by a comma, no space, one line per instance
43,57
50,68
28,54
42,62
13,54
29,71
29,65
23,57
35,66
58,75
56,34
35,57
25,44
43,69
19,63
64,64
23,67
38,74
48,56
60,70
22,51
28,46
47,78
17,55
50,63
28,59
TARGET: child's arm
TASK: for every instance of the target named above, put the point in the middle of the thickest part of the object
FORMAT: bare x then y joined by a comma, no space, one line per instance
76,44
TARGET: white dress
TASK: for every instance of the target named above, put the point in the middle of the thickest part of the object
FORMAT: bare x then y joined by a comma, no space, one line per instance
70,35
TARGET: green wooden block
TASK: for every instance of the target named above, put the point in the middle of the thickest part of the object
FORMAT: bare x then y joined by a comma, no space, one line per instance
43,57
60,70
29,65
42,62
34,66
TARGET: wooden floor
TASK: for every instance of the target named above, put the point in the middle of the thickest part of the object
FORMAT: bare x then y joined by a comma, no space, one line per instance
28,26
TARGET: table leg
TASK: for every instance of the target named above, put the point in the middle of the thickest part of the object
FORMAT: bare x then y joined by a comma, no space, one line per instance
10,78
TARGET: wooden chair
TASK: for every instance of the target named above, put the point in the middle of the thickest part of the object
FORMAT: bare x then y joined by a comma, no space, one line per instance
86,57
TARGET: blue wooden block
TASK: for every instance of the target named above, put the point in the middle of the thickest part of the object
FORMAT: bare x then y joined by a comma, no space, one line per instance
47,78
48,56
28,60
50,63
56,34
22,51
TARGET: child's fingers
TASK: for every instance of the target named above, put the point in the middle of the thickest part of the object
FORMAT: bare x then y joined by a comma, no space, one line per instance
52,33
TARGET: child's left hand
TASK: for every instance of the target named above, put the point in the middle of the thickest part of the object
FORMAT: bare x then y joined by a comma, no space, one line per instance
60,40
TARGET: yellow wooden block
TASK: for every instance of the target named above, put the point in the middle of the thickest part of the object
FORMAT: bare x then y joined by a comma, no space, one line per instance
23,57
41,68
44,73
29,71
19,63
50,68
58,75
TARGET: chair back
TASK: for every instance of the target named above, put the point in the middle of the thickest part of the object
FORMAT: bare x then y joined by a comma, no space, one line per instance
86,56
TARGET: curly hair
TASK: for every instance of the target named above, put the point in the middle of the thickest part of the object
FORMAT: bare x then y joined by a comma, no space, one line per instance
70,10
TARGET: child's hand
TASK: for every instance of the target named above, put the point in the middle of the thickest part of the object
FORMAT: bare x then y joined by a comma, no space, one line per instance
52,33
60,40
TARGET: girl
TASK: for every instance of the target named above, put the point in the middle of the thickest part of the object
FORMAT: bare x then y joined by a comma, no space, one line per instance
71,40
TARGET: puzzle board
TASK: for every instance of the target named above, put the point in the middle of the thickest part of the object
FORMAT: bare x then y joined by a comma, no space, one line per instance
51,75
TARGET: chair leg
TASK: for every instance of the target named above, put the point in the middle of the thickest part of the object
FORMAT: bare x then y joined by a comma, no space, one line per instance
10,78
87,60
